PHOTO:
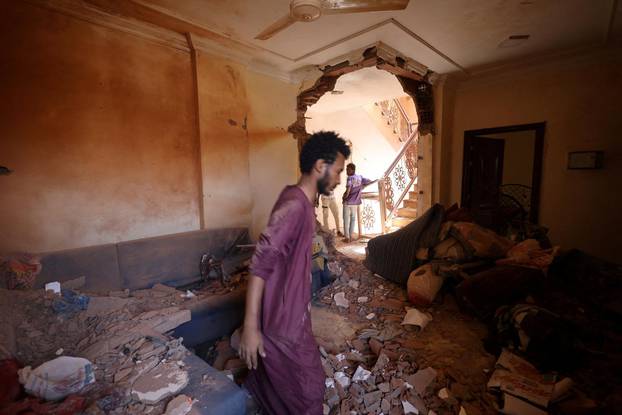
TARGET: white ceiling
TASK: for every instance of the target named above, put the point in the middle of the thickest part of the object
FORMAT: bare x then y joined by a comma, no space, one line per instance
467,32
361,87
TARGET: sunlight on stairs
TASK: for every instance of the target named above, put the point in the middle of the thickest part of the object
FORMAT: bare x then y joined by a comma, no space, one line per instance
407,213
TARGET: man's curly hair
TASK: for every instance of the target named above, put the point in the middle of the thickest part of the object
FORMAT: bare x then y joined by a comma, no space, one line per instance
322,145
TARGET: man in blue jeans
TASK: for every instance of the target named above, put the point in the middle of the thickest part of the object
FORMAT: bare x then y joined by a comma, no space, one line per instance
352,199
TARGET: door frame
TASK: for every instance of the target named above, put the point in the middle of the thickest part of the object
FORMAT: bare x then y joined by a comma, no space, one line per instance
536,177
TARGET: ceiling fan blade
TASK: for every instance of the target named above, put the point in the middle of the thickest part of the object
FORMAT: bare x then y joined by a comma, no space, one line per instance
360,6
283,23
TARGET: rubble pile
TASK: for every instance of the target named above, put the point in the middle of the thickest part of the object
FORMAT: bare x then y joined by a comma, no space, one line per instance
376,377
538,314
124,337
379,371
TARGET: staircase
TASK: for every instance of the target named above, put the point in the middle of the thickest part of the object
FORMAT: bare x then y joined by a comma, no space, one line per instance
408,212
395,204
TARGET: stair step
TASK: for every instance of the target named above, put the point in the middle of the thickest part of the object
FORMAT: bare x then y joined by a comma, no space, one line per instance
407,212
413,195
410,203
401,222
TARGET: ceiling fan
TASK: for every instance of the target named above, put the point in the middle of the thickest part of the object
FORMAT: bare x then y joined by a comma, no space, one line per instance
310,10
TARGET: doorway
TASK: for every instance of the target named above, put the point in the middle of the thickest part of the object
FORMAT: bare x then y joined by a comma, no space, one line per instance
370,109
501,174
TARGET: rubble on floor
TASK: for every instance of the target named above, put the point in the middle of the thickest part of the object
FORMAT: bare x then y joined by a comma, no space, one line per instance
520,286
383,368
130,362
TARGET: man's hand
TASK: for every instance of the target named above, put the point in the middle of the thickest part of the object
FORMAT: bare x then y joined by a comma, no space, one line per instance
251,344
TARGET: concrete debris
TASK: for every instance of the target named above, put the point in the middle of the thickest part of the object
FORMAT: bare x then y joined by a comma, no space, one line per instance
180,405
105,305
165,380
390,336
189,294
123,333
515,406
443,393
422,379
409,408
341,300
381,363
166,319
342,379
416,318
361,374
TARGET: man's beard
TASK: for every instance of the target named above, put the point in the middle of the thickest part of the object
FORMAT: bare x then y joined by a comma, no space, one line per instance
323,183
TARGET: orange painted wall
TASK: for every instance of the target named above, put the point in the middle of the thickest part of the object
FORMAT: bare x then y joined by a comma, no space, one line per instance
248,155
579,99
223,116
99,128
273,152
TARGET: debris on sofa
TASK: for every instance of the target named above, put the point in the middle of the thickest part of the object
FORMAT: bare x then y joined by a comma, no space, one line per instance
558,310
528,253
180,405
136,365
165,380
486,291
485,242
57,378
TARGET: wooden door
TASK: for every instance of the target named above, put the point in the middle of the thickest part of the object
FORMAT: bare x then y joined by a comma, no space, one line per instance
482,176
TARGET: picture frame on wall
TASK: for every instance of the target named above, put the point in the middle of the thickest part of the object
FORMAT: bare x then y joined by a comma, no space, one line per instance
585,160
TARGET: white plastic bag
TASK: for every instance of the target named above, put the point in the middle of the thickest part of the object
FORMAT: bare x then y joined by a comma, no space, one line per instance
57,378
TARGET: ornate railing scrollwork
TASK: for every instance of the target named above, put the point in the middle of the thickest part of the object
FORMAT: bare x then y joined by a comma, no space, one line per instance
387,192
398,179
396,117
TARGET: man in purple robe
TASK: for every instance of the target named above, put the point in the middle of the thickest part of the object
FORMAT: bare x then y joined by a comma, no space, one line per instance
277,342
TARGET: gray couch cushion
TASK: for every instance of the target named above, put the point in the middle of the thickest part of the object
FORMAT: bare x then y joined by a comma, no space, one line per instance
172,258
98,264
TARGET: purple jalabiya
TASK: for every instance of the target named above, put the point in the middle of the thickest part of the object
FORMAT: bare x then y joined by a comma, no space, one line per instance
290,379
